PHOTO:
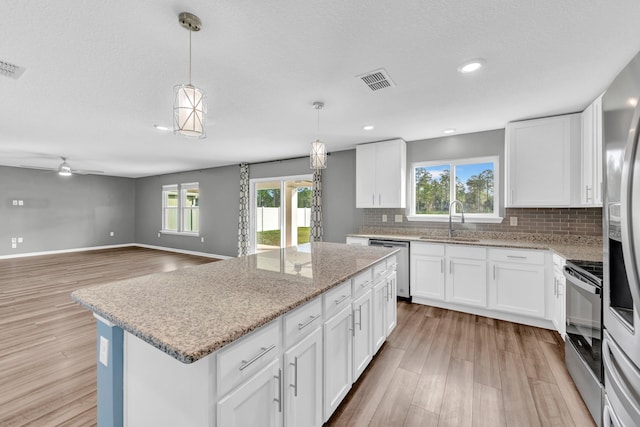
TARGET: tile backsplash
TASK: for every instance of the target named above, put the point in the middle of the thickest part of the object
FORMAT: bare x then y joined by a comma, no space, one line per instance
554,221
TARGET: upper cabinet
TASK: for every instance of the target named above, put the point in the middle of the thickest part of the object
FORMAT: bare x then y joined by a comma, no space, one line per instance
591,155
381,174
538,161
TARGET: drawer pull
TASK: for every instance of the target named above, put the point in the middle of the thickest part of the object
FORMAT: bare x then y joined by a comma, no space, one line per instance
303,325
342,298
393,267
263,351
516,257
363,284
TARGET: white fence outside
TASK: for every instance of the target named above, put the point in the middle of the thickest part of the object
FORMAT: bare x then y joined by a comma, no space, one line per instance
269,218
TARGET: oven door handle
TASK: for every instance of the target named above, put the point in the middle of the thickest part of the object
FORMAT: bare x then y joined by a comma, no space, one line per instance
583,285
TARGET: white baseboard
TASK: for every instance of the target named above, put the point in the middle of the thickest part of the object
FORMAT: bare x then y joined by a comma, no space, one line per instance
124,245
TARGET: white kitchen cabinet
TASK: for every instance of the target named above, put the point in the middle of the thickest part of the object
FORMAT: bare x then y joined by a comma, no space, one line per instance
362,333
391,310
381,174
559,298
338,362
378,323
427,270
466,275
591,155
517,282
257,402
538,161
303,382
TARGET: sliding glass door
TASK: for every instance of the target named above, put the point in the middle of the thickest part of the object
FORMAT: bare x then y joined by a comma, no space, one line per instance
280,212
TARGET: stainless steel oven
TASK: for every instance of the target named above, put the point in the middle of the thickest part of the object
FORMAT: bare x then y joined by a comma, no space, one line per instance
583,346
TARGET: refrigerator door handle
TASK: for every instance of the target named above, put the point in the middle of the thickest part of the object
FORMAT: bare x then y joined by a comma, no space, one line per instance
628,223
615,369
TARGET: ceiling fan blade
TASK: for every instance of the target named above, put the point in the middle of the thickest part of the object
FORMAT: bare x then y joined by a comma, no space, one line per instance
39,168
86,172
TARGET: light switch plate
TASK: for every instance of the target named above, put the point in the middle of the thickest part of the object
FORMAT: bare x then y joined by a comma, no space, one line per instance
104,351
20,240
15,203
398,218
14,240
513,221
20,202
384,217
111,234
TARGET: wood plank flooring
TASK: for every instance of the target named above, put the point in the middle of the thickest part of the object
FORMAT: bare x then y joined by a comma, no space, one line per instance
47,342
438,368
445,368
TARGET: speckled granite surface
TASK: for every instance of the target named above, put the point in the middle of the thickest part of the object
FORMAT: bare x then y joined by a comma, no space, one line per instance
587,248
192,312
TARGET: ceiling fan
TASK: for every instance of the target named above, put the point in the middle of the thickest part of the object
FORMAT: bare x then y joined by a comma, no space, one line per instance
64,169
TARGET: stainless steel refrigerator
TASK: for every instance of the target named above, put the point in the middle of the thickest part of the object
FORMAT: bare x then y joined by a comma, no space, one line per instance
621,303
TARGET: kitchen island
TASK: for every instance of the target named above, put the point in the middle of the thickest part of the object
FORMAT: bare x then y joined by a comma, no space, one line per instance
205,345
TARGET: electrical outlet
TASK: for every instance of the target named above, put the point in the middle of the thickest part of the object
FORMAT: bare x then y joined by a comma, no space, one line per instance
158,234
111,234
104,351
513,221
384,218
20,240
202,239
15,203
20,202
14,245
14,240
398,218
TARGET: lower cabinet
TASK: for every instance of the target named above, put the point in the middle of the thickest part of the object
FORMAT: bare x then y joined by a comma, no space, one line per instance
257,402
338,332
391,307
378,322
558,316
467,281
303,382
362,333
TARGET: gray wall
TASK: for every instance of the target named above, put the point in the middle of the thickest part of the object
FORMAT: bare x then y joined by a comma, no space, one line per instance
219,201
64,212
479,144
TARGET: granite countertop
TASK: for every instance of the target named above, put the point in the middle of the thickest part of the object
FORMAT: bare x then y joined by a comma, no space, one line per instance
586,248
192,312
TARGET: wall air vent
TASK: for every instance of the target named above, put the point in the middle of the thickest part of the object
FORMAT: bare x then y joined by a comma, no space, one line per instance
10,70
377,79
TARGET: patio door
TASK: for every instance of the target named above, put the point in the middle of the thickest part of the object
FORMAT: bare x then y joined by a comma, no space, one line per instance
280,212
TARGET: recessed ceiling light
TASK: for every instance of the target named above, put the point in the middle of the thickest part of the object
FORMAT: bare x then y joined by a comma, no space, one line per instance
449,131
632,102
160,127
367,127
471,66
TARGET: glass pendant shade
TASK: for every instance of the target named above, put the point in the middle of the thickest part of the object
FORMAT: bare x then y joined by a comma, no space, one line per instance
189,111
64,169
318,155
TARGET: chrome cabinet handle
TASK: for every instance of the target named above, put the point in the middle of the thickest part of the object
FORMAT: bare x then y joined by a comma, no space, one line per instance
359,310
555,286
380,199
295,376
279,399
373,199
352,326
303,325
586,195
494,272
450,266
442,265
363,284
342,298
263,351
516,257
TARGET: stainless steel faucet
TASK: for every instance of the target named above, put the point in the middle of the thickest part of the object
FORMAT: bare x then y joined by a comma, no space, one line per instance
461,212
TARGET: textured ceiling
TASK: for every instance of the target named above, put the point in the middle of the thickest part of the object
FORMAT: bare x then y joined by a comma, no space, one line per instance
99,75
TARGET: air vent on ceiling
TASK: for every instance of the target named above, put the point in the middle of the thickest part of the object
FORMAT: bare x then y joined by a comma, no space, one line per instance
10,70
377,79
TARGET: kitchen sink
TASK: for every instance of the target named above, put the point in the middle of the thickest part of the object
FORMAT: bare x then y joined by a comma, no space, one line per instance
449,239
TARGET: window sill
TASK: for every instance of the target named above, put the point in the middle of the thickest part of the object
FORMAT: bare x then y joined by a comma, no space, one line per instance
179,233
456,218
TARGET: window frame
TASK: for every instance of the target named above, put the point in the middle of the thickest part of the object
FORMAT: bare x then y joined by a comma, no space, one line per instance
453,164
182,190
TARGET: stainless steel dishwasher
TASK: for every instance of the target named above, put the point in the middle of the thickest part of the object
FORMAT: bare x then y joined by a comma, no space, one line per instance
402,258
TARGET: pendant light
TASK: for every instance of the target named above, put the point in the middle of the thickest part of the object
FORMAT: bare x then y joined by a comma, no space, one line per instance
190,102
318,157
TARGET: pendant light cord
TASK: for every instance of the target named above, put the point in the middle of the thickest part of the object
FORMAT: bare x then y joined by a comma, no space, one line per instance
318,126
189,55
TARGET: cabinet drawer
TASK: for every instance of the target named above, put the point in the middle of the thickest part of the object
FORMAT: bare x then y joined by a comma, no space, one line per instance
362,282
392,264
379,271
514,255
468,252
558,263
240,360
302,321
337,298
418,248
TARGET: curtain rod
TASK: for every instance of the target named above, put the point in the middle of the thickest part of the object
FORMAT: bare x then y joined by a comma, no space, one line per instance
279,160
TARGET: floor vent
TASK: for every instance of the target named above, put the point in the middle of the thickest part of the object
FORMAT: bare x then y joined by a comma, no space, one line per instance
377,79
10,70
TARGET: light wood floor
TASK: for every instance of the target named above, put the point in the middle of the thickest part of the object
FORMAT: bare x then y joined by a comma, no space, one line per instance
439,367
445,368
47,342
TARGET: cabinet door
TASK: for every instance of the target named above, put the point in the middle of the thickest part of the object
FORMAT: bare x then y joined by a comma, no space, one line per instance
303,382
337,359
378,321
467,281
518,288
365,176
427,277
390,174
588,161
539,161
391,310
362,333
559,309
257,402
